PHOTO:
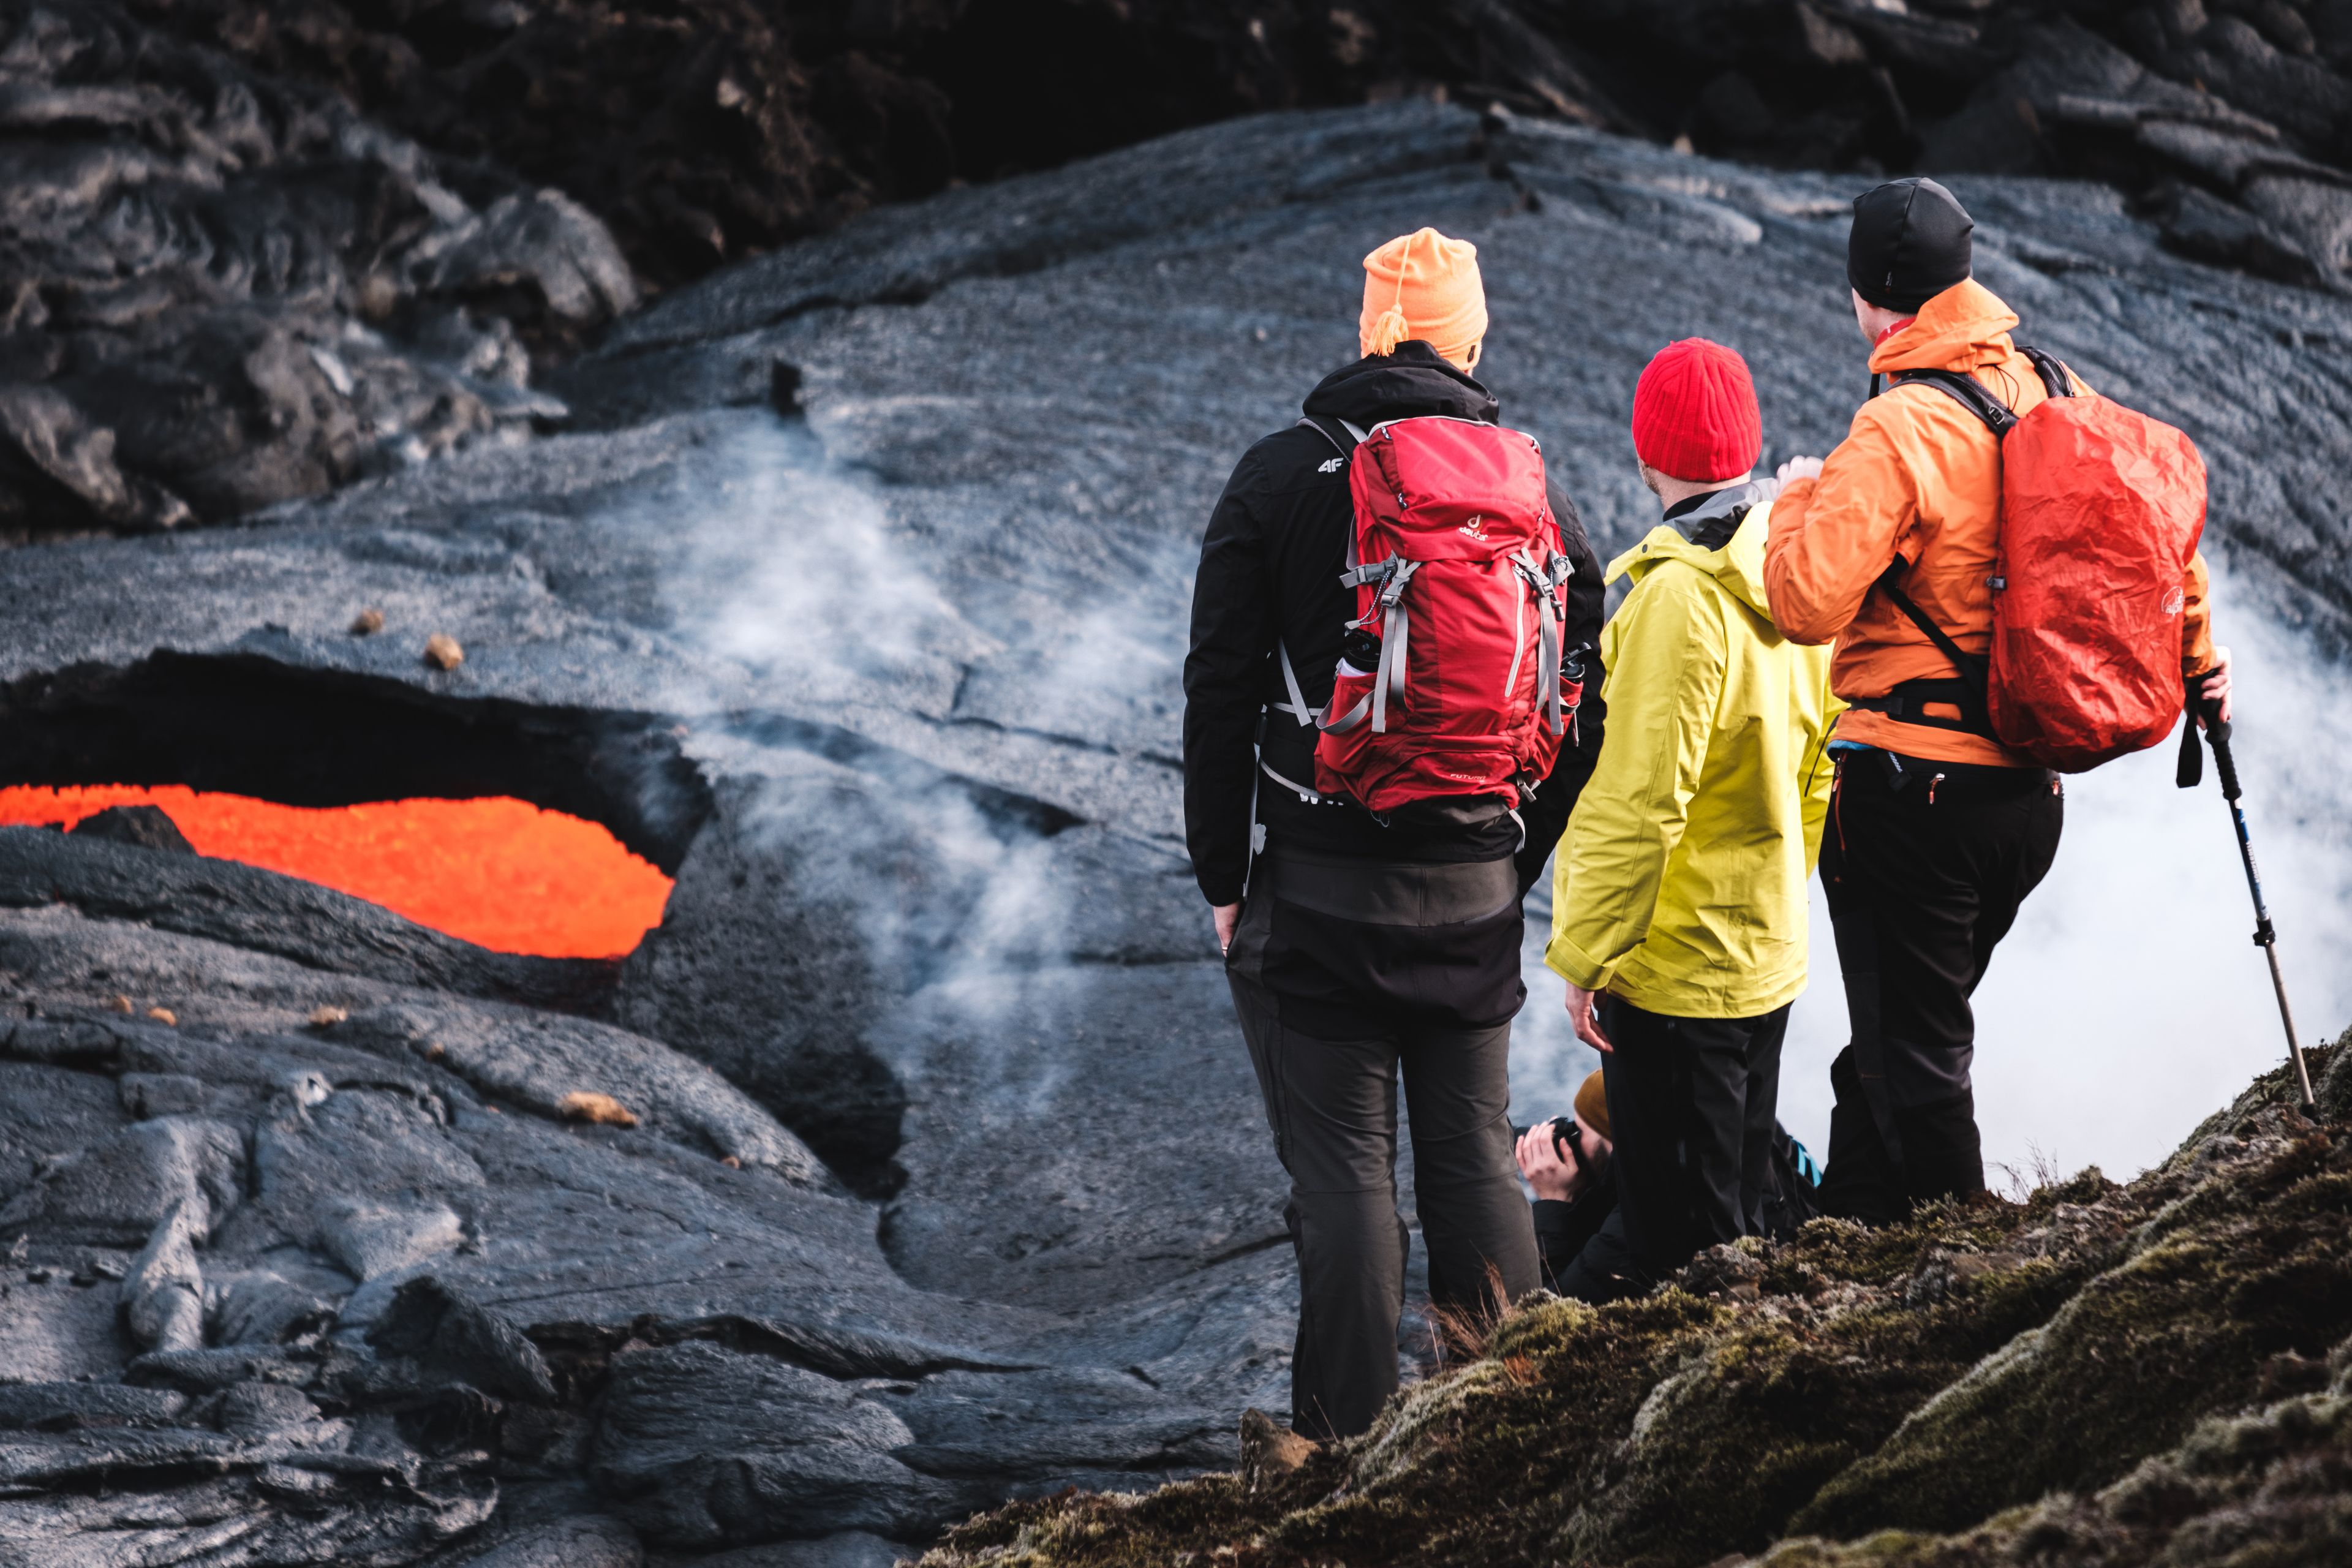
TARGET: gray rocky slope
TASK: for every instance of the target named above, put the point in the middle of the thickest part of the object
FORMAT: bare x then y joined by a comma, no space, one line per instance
220,290
856,600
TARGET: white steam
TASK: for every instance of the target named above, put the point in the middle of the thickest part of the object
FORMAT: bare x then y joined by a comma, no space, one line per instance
2129,1002
2126,1005
781,558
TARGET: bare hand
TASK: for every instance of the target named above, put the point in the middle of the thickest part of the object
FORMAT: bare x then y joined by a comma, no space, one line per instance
1539,1162
1228,917
2217,685
1588,1026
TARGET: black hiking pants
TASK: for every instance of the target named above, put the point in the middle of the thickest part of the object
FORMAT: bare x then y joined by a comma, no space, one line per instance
1691,1107
1345,974
1924,870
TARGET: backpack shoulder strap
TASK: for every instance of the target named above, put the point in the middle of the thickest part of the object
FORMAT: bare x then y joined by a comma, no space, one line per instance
1975,712
1969,392
2057,379
1338,432
1978,399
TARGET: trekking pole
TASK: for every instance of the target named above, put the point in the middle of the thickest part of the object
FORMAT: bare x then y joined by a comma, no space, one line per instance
2216,735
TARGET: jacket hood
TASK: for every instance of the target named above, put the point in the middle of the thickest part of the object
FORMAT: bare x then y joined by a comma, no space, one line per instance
1961,328
1739,565
1409,383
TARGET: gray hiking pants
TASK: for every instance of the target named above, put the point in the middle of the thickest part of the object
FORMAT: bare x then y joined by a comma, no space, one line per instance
1329,1081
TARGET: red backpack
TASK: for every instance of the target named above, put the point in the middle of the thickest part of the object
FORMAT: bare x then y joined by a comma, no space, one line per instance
1449,683
2101,511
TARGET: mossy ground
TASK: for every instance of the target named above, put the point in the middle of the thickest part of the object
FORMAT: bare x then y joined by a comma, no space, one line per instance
2100,1375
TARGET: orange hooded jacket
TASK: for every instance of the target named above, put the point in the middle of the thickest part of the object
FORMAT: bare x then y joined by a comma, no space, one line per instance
1919,476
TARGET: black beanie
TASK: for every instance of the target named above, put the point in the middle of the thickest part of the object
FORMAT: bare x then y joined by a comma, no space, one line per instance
1910,243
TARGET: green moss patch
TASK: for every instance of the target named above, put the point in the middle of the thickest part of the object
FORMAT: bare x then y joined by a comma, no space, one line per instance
1987,1384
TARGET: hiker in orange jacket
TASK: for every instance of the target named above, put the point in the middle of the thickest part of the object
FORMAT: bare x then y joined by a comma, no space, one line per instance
1936,832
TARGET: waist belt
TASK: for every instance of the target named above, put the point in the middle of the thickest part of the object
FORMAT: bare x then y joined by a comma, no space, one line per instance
1306,795
1954,781
1469,818
1907,703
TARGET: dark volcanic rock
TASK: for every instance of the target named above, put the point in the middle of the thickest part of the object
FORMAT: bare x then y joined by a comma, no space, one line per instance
148,827
899,658
450,1336
701,1447
704,129
219,289
270,913
230,284
350,1262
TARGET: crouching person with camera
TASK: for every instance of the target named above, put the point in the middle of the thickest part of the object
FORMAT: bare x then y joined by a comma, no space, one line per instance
1567,1163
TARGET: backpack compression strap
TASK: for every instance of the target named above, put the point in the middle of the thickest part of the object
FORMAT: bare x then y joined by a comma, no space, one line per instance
1396,629
1544,581
1346,437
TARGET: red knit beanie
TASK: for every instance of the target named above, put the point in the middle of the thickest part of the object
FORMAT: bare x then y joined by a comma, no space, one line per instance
1695,414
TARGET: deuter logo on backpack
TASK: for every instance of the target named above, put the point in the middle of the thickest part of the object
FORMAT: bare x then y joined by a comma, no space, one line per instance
2101,508
1451,682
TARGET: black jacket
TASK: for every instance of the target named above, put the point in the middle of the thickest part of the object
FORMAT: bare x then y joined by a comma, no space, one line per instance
1583,1242
1270,567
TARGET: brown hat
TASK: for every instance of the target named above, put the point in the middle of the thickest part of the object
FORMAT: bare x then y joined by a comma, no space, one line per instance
1593,1105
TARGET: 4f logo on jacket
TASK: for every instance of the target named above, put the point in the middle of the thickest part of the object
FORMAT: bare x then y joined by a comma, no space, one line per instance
1332,465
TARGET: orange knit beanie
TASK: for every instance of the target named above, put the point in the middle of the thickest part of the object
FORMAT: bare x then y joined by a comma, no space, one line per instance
1423,286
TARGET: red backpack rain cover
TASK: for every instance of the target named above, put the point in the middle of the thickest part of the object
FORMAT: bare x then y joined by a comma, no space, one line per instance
2101,511
1457,567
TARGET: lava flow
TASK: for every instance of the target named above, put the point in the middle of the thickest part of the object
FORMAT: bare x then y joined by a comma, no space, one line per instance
498,872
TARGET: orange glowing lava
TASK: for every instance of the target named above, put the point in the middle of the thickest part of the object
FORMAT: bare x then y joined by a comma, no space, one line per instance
498,872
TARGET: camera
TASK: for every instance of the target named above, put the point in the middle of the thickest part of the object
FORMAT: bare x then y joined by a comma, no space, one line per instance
1563,1137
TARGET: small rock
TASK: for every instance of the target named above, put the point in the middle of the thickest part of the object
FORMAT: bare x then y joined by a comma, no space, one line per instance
367,623
436,1051
164,1015
305,1086
151,1094
371,1240
148,827
264,1410
1269,1450
731,1163
122,1004
441,652
1727,1271
584,1105
323,1016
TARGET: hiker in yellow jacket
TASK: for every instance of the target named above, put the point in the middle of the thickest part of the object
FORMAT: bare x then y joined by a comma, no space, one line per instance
1679,903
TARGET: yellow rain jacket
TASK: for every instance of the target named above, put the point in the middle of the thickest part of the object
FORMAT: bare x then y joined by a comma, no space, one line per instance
1680,883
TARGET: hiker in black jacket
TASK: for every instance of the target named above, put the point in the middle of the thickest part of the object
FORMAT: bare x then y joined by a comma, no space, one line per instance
1366,943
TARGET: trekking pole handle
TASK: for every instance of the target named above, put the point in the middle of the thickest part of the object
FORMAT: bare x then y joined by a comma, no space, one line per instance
2216,735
